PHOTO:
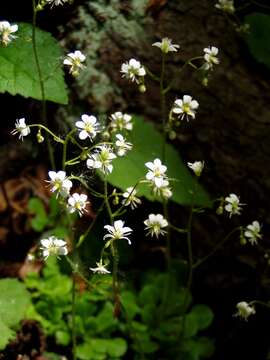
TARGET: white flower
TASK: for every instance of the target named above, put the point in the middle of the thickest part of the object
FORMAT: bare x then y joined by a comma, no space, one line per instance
60,183
120,121
244,310
133,70
100,269
101,159
6,31
252,232
157,172
130,198
117,231
210,56
122,145
185,107
77,202
75,60
166,45
233,205
88,127
21,128
53,246
197,167
56,2
226,6
155,224
163,190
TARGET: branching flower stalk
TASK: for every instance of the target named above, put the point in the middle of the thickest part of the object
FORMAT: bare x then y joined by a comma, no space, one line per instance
67,139
87,232
41,82
216,248
54,136
73,317
190,258
114,252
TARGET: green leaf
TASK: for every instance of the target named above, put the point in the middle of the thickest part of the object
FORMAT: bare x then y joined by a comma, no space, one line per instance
62,337
89,351
149,314
128,301
6,335
40,220
258,37
96,349
116,347
18,70
149,295
198,319
105,319
204,316
146,346
198,348
14,300
52,356
147,145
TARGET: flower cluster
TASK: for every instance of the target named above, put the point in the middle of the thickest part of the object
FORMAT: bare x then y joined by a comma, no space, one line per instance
53,246
88,127
130,198
134,71
59,183
117,231
196,167
252,232
244,310
100,269
75,62
158,179
6,31
120,121
210,57
56,2
166,45
101,159
185,107
155,224
21,128
233,205
122,146
226,6
77,203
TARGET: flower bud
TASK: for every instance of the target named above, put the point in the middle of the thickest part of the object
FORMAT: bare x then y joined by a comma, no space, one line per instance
205,81
172,135
40,138
105,135
220,210
142,88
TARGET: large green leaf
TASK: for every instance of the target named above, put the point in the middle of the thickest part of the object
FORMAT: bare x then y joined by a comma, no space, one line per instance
200,317
6,335
14,300
18,70
99,349
258,37
40,219
147,145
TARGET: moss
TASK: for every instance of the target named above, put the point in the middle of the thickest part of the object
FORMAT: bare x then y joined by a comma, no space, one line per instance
104,31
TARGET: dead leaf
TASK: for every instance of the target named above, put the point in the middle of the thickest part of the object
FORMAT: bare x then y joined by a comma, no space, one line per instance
154,6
